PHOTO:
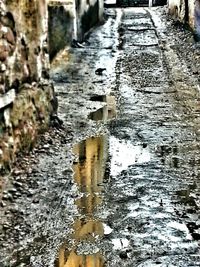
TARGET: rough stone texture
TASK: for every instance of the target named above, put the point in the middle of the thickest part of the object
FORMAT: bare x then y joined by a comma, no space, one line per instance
25,95
27,117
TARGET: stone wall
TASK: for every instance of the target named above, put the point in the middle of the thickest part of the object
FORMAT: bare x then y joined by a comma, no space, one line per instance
26,96
186,11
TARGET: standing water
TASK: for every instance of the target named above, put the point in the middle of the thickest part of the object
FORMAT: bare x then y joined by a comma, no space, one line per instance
89,171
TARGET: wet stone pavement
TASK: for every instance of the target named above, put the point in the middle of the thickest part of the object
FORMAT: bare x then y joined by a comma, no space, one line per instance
119,185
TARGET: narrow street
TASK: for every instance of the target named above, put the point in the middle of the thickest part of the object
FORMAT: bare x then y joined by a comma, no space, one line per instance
118,183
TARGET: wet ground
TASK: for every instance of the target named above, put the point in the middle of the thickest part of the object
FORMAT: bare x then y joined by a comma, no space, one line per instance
118,184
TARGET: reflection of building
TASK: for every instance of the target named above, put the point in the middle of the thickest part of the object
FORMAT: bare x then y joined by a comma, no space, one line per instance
88,174
74,260
87,229
87,204
83,230
108,111
100,114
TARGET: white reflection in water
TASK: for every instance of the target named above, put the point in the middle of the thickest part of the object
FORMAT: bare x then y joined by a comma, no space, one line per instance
123,154
107,229
120,243
180,227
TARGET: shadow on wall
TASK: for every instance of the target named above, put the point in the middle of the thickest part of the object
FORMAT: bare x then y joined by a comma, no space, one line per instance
71,20
89,19
60,29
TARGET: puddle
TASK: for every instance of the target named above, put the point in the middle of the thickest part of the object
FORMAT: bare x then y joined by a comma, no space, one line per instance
108,111
120,243
89,171
99,98
187,197
90,168
88,204
71,259
98,115
87,229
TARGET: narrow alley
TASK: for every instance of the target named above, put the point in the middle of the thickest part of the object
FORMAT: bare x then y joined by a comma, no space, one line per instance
116,182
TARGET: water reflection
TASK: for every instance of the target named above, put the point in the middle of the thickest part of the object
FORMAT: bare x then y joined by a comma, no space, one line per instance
98,115
106,112
187,197
89,172
88,204
87,229
71,259
171,155
90,169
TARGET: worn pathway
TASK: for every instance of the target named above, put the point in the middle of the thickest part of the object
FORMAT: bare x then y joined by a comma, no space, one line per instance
130,194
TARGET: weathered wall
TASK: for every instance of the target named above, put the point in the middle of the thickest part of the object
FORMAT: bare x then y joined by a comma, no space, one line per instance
26,96
71,19
186,11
